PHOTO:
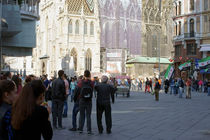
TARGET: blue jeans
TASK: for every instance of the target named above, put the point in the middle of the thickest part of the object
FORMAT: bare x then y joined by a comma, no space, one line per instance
74,115
72,95
208,91
180,92
171,89
65,107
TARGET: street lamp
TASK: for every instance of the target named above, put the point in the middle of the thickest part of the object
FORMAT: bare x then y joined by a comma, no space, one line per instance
160,2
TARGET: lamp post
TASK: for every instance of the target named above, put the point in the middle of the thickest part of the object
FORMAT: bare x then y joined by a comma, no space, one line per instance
160,2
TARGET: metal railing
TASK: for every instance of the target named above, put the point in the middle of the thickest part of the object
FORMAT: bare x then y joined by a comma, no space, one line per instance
29,7
189,35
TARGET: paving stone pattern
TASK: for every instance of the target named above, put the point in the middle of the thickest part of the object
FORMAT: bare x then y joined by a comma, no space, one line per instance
140,117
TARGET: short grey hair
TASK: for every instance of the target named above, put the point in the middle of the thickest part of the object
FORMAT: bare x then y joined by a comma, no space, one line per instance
104,79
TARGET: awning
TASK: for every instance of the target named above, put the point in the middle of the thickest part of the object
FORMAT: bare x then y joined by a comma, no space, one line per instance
205,48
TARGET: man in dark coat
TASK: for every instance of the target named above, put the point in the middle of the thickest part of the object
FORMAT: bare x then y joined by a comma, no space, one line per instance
104,93
58,98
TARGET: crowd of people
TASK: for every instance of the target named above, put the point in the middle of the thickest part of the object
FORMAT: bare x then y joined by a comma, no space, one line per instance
25,112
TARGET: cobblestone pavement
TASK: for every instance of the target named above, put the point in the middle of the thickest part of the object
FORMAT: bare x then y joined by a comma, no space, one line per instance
140,117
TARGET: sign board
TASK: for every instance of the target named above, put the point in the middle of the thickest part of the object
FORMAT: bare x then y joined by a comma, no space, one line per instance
114,67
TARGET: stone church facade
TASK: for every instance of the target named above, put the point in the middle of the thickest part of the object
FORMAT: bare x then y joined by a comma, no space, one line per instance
120,23
67,37
156,38
100,35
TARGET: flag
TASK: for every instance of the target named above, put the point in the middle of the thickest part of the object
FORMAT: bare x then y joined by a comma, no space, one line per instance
204,62
185,65
169,72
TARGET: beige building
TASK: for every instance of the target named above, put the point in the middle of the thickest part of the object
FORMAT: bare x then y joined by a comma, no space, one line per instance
67,37
191,32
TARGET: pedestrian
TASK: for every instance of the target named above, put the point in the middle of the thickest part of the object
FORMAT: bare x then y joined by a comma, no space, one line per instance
8,94
188,84
150,84
208,85
147,86
65,108
181,87
18,83
157,89
176,87
76,106
172,84
30,116
85,104
200,83
166,85
72,86
58,98
104,93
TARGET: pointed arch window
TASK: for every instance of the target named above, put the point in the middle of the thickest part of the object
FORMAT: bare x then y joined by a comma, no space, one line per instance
74,55
85,27
88,61
70,27
91,28
77,27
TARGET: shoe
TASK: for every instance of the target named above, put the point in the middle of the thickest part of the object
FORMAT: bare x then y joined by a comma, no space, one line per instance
109,132
80,131
90,133
100,132
72,129
61,128
64,116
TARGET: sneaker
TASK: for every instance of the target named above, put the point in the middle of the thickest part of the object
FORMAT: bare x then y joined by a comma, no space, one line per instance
90,133
72,129
80,131
61,128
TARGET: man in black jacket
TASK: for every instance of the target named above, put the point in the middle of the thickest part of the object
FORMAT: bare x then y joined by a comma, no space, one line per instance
58,98
104,92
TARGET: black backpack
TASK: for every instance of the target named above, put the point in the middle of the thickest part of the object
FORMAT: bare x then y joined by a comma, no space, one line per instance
86,90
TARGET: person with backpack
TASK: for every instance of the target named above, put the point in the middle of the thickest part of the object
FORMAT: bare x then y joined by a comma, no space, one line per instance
58,98
85,103
104,93
8,94
157,89
181,87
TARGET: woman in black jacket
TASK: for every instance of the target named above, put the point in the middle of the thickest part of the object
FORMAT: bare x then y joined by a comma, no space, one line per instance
30,119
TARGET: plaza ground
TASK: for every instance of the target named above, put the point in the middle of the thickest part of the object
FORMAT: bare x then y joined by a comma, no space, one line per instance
140,117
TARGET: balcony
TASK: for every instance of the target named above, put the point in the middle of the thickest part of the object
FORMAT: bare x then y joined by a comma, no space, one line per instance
29,10
186,36
189,35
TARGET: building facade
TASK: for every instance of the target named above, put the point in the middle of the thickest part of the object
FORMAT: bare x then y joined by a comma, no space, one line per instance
191,31
120,23
18,34
68,37
156,38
